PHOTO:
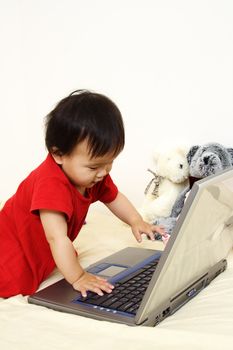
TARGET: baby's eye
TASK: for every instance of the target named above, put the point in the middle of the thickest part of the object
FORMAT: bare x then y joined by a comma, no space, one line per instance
92,168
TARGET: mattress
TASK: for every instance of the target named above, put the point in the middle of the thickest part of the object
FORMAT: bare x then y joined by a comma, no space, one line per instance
205,322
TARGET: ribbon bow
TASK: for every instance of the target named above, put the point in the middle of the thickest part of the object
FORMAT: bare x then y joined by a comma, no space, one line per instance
156,180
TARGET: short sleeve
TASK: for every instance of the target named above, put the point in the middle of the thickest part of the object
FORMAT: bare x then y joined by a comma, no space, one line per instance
53,194
106,191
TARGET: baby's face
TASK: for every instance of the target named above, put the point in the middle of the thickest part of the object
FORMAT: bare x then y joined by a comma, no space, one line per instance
82,170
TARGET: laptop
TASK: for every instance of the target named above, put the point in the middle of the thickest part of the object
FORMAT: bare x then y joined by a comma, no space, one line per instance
149,284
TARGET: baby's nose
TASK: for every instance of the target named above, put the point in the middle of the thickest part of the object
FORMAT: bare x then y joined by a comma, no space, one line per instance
102,172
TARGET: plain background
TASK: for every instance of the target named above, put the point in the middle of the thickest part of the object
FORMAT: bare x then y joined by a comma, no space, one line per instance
167,64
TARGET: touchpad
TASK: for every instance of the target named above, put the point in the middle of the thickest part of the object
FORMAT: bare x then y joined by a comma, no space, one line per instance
107,270
112,270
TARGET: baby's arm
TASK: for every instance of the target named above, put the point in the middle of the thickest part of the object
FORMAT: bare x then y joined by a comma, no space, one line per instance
55,227
126,212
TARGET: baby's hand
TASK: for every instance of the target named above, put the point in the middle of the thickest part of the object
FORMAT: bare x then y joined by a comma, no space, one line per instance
141,227
89,282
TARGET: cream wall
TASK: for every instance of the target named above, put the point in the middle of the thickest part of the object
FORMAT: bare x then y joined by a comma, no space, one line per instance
167,64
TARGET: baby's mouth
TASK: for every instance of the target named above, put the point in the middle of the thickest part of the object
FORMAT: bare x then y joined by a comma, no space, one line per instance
95,182
98,180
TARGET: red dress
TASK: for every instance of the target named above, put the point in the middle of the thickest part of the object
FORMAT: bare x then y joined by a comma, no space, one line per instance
25,256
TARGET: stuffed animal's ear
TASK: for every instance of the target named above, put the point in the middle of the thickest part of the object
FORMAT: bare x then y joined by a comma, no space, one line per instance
191,153
230,150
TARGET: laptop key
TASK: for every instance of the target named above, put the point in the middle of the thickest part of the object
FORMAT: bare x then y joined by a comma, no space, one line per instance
99,301
127,278
116,305
126,306
109,301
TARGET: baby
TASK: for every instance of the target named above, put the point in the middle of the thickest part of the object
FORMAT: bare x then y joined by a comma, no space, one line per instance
84,135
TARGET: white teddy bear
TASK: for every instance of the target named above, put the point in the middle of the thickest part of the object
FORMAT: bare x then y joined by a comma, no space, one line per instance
170,178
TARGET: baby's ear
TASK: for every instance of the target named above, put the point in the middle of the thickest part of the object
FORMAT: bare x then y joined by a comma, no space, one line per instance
191,153
57,155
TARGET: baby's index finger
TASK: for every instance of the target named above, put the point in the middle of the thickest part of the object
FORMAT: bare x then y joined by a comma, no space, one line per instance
158,229
150,235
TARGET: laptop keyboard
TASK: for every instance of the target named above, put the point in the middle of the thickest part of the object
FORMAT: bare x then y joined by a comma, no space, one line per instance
127,294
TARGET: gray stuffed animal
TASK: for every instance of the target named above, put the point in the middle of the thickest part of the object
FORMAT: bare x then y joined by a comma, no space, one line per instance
209,159
203,161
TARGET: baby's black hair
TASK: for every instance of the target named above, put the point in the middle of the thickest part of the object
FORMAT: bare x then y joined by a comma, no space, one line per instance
85,115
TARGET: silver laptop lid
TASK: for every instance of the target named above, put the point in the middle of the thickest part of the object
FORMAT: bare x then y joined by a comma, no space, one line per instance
203,235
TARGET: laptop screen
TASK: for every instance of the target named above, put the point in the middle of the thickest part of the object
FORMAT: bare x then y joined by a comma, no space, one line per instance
203,235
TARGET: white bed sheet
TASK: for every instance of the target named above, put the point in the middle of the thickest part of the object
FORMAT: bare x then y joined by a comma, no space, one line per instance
206,322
